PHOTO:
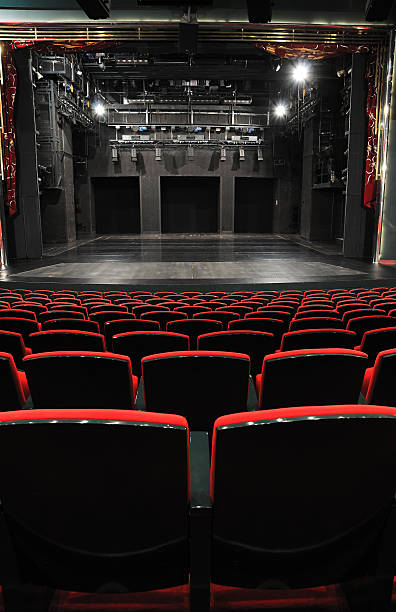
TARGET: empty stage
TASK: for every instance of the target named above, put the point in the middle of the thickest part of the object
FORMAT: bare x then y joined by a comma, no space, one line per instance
196,260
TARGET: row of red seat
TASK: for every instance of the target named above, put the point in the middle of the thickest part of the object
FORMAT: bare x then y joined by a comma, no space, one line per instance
127,501
200,385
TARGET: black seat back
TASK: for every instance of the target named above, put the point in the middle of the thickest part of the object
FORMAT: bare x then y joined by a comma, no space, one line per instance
96,504
300,522
140,344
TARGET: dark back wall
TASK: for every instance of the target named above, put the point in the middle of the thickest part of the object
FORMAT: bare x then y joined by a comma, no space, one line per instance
174,163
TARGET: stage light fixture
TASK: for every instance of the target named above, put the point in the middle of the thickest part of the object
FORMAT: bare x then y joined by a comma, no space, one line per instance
241,154
158,154
300,72
280,110
276,64
133,154
260,154
99,109
223,155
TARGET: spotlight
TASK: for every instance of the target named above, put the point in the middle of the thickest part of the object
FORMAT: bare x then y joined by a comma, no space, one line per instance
300,72
99,109
223,155
276,64
280,110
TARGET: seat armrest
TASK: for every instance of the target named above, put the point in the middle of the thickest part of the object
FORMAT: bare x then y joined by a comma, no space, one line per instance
139,399
28,405
252,403
200,522
200,471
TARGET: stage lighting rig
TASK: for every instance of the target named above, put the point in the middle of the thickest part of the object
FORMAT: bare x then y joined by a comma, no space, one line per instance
99,109
96,9
280,110
300,72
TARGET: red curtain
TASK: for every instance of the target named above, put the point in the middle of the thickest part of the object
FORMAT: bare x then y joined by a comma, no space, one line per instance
317,52
8,101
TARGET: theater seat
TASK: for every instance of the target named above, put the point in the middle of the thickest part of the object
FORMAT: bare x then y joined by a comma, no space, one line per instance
66,340
318,338
328,314
25,327
18,313
271,326
95,507
301,503
253,343
197,384
217,315
101,317
377,340
123,326
75,379
315,323
194,328
13,384
30,306
12,342
311,377
162,318
139,344
265,313
362,324
51,315
380,380
70,308
77,324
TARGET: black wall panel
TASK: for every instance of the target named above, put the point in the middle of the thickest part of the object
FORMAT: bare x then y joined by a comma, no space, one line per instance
189,205
253,205
117,205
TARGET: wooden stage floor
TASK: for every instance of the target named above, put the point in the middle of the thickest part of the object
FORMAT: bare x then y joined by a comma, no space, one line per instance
205,261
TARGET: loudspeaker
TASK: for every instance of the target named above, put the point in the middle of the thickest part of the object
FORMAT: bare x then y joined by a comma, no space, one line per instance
96,9
188,37
378,10
259,11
